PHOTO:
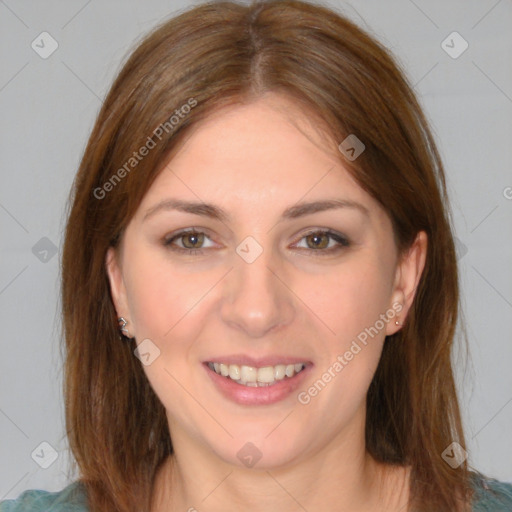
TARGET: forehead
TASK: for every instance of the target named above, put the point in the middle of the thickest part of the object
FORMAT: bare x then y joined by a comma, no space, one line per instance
264,152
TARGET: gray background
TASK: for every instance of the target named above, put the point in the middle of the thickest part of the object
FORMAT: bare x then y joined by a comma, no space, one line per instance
48,108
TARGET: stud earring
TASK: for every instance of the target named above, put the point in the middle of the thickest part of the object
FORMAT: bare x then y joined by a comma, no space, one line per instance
122,327
398,323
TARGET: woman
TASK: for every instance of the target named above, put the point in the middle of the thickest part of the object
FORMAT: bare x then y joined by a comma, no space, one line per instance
259,281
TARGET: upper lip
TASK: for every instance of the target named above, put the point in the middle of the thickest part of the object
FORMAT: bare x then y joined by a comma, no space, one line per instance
259,362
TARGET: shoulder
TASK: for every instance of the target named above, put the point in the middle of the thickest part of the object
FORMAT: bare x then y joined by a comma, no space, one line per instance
72,498
491,495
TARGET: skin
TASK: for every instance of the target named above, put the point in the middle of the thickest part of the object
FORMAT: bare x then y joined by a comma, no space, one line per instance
254,161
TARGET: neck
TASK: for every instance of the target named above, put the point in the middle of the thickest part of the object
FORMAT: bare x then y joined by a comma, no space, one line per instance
341,476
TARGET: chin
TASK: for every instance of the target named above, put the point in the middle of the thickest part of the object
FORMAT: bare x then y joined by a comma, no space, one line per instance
261,448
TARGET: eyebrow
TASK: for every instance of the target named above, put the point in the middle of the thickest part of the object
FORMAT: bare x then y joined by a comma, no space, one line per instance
217,213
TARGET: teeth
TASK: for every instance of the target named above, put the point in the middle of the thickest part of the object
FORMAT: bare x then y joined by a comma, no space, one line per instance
234,372
248,374
266,374
224,369
256,377
279,371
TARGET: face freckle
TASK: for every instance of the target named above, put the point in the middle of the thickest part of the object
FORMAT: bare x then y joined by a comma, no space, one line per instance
258,288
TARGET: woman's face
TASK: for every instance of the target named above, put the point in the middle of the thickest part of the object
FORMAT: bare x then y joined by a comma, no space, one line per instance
261,290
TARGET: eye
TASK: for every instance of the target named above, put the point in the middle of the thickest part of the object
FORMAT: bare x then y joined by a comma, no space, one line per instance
192,241
319,241
322,242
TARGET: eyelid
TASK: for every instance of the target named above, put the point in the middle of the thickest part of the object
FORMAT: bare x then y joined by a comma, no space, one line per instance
169,239
341,241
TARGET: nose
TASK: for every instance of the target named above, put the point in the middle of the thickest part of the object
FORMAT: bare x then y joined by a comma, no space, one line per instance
257,296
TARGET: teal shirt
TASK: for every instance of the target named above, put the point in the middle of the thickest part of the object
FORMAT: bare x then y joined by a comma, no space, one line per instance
72,498
491,496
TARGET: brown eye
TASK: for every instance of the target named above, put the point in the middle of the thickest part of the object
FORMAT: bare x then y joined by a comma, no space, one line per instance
192,240
188,242
323,242
318,240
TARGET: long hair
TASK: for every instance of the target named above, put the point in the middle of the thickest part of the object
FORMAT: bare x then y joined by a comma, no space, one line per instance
225,53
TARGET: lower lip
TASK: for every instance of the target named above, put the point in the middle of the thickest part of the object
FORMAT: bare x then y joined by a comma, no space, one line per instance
265,395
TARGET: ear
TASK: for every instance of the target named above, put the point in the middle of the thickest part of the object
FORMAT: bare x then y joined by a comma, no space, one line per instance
407,277
117,286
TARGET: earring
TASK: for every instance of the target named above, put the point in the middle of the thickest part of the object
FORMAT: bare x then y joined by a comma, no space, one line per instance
122,327
398,323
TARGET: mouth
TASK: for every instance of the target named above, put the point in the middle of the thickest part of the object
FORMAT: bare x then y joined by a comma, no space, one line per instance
247,381
252,376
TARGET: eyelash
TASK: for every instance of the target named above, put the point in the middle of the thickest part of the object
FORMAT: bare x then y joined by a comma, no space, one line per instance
342,242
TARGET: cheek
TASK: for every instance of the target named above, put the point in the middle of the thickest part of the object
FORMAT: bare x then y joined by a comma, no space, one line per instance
350,302
349,298
161,296
168,307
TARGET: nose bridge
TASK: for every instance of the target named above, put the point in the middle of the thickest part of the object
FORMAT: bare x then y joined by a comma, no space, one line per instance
256,300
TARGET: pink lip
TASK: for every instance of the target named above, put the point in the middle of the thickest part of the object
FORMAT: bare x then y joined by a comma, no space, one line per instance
245,395
259,362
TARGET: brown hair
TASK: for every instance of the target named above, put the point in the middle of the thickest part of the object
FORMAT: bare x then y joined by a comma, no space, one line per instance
220,54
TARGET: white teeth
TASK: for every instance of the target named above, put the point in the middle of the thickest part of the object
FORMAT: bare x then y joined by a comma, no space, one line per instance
279,371
249,374
266,374
256,377
234,372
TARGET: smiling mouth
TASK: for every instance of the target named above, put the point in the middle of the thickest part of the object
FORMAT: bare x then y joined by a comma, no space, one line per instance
256,377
